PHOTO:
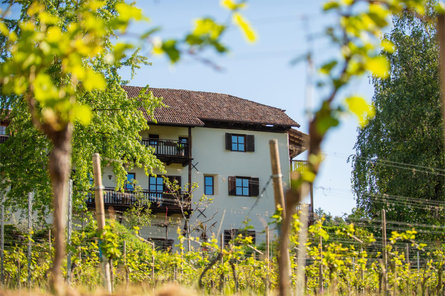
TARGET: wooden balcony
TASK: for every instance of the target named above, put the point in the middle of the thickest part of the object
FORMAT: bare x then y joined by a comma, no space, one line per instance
3,138
169,151
159,202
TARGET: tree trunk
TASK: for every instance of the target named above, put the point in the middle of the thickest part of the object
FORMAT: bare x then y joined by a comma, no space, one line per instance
59,170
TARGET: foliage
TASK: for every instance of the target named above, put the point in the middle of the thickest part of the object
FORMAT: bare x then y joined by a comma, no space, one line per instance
59,64
347,265
399,152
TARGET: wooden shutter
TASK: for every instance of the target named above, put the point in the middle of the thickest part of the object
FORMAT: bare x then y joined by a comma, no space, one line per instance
250,143
228,141
254,186
232,185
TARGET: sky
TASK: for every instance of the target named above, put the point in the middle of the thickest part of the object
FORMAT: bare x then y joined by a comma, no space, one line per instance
261,72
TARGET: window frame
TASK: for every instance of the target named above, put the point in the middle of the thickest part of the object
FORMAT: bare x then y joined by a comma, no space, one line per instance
248,142
153,139
232,234
253,186
237,143
243,185
212,185
156,192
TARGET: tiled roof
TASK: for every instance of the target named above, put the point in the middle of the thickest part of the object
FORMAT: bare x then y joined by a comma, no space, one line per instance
194,108
298,142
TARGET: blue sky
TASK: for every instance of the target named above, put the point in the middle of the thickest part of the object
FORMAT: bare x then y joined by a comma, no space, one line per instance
262,72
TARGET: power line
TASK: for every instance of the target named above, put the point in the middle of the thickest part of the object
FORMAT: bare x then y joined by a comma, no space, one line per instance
402,165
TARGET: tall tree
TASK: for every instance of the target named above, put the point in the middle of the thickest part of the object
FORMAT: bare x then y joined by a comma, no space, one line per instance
57,68
59,73
399,161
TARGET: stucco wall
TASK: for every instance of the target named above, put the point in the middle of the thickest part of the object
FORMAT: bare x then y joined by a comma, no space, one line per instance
211,158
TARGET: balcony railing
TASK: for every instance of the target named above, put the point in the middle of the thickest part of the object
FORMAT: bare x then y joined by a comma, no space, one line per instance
3,138
159,202
299,164
169,151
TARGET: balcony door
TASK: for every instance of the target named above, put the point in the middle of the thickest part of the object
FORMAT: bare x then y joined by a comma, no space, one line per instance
184,146
155,188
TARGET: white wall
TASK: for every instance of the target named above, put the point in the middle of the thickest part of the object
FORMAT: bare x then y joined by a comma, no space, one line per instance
211,158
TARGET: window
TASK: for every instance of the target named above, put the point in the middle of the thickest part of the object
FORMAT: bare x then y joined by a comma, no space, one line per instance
240,143
162,244
153,140
183,146
155,186
2,130
209,188
129,185
243,186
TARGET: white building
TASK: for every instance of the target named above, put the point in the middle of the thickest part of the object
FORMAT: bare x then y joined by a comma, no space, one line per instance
221,143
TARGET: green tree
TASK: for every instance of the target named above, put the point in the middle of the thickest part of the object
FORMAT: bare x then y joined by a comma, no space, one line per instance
58,70
59,73
399,154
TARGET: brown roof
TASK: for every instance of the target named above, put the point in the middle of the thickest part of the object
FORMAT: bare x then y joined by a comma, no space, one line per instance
194,108
298,142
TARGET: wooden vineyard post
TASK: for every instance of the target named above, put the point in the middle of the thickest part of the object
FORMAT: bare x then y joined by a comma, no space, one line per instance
222,279
385,254
153,263
100,214
267,260
283,254
49,241
127,276
362,272
29,256
189,247
302,238
70,227
277,178
321,267
2,240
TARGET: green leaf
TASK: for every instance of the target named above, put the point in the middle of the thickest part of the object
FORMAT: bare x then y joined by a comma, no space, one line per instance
360,108
230,5
150,32
387,46
44,89
170,48
326,122
245,27
378,66
82,113
331,5
327,67
93,80
439,7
